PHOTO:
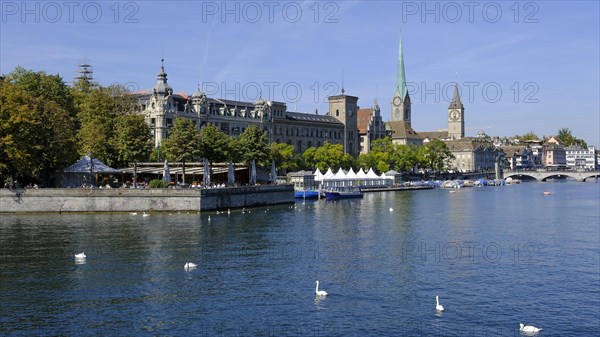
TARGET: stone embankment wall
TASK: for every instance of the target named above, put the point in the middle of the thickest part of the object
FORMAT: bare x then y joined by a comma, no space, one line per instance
223,198
50,200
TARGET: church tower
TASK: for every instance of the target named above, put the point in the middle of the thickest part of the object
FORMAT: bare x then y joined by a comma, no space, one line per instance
456,116
401,100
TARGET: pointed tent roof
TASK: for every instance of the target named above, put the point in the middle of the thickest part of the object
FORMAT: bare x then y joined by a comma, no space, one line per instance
83,166
329,174
456,102
351,174
372,174
318,175
361,173
340,174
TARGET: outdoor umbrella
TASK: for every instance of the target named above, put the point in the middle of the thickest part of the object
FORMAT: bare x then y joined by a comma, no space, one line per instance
167,173
253,173
230,174
273,172
206,179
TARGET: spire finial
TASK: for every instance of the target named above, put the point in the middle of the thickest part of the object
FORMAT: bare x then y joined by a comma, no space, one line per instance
343,91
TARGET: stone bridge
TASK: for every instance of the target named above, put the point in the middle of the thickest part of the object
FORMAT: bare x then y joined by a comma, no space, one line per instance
543,175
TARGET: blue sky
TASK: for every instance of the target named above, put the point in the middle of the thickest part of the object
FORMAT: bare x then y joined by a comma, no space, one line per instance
522,66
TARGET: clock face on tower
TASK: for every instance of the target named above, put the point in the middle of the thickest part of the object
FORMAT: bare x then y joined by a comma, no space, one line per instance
396,101
454,115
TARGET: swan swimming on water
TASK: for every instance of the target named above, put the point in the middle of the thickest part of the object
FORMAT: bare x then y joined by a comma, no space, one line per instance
145,214
190,265
80,255
438,306
528,328
319,292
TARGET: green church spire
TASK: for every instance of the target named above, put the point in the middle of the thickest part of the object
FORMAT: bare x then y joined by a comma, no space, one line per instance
401,80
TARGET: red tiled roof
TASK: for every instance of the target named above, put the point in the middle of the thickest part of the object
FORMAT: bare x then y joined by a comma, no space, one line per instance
364,117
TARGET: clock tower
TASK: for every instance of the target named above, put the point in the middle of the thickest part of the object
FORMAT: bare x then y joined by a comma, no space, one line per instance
456,116
401,99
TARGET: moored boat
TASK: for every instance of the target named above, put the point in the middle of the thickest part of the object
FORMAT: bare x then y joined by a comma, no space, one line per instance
306,194
344,192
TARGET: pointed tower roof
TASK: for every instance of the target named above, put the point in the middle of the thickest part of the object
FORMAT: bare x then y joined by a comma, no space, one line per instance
161,86
456,102
401,78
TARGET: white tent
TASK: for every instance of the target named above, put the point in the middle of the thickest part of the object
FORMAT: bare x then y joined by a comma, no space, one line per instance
328,174
351,174
340,175
318,175
361,174
372,174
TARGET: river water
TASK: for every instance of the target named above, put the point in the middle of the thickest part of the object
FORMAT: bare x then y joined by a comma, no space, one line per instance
496,256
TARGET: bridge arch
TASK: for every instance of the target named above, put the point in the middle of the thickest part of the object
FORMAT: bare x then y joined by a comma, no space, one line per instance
543,175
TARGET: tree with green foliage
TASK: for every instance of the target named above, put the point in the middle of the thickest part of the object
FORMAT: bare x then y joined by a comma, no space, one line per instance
18,127
327,155
377,160
53,143
405,157
434,155
567,138
215,145
283,155
99,109
183,143
253,144
133,140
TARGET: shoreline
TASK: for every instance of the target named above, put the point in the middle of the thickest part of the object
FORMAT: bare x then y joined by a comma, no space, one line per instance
63,200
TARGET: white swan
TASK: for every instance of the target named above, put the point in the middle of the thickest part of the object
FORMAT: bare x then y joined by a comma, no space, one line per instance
190,265
391,209
80,255
319,292
438,306
209,218
529,328
145,214
133,213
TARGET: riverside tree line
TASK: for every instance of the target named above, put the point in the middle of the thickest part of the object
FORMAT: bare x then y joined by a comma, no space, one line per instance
46,125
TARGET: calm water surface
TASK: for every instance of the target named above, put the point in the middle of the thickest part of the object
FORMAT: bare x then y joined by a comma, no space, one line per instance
496,256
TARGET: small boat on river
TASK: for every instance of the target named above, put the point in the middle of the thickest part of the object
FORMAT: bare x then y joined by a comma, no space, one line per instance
306,194
344,192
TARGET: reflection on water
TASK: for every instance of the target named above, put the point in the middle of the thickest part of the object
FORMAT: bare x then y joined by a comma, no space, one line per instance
497,256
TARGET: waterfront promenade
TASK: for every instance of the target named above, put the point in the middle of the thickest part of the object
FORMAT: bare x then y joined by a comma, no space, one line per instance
59,200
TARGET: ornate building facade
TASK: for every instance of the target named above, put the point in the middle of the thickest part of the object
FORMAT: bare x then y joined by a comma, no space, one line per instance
161,106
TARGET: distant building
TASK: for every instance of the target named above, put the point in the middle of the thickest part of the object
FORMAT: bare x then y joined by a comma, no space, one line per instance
518,157
161,106
536,151
553,154
473,155
579,158
370,126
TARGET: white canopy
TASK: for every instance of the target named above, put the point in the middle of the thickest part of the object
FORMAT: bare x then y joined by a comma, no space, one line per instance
328,174
351,174
318,175
361,174
340,174
372,174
